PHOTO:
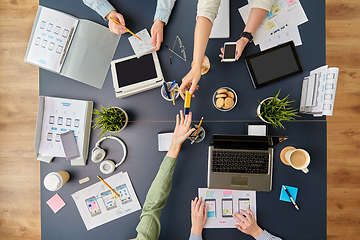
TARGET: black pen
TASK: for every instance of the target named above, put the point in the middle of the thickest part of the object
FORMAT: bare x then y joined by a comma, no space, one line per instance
291,199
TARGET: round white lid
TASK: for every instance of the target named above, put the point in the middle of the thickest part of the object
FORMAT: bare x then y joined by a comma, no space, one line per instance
52,182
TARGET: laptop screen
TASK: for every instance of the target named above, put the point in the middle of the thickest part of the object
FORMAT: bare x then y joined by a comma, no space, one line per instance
245,141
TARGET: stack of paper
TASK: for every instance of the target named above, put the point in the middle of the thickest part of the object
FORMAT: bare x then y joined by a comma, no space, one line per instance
318,91
279,25
97,206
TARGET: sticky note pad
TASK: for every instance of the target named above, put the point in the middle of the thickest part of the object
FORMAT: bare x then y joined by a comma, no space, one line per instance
56,203
292,190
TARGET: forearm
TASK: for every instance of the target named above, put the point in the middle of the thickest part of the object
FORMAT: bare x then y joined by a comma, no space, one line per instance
163,10
102,7
149,225
201,38
256,16
195,237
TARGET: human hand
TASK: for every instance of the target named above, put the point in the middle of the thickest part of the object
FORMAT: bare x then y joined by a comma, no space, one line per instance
190,81
198,216
182,131
113,26
247,223
157,33
240,45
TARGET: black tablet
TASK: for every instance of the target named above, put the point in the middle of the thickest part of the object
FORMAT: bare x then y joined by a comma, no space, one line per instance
273,64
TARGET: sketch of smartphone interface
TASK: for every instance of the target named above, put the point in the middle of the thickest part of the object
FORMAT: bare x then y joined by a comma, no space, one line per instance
244,204
211,208
124,194
227,207
93,206
108,201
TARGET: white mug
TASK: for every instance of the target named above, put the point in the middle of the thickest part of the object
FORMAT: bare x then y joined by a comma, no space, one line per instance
296,159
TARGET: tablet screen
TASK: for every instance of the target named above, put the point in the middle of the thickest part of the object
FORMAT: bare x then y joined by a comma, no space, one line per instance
274,64
135,70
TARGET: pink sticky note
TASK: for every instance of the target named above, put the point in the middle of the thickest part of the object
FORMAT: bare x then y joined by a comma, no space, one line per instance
227,193
290,2
56,203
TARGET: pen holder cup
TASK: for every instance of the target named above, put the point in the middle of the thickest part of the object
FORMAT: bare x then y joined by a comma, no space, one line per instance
175,93
200,135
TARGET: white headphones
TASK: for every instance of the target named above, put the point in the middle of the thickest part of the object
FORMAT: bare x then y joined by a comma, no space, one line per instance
98,154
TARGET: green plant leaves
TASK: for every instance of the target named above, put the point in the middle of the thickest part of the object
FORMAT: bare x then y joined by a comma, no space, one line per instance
277,110
109,120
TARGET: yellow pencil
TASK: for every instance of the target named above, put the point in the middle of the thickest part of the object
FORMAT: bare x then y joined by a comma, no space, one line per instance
199,126
172,96
126,28
108,186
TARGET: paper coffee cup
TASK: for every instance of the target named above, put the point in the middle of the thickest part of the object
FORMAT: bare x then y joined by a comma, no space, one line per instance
298,159
55,180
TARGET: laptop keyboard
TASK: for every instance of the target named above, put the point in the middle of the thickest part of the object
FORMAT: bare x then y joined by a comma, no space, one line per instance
240,162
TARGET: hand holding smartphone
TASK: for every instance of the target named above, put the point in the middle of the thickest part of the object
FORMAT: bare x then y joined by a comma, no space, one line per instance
229,54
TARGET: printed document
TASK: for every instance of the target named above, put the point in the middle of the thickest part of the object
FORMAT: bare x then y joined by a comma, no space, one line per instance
284,15
222,204
97,206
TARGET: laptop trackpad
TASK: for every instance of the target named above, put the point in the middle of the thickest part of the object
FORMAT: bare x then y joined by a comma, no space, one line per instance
239,181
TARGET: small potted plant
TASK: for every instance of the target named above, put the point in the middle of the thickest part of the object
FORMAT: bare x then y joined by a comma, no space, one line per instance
273,110
111,120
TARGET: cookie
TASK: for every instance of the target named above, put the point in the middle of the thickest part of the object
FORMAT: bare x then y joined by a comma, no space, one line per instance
230,94
222,90
223,95
220,102
229,102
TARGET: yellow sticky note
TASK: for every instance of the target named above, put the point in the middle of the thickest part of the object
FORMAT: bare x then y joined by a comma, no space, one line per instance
207,192
269,25
227,211
275,8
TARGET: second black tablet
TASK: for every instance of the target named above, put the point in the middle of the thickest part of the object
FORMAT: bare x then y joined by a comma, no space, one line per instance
273,64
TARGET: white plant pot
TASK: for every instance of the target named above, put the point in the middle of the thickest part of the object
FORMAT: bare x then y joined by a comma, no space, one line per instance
258,109
126,121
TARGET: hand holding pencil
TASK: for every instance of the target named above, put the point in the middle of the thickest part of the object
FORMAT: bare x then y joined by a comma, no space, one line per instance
113,26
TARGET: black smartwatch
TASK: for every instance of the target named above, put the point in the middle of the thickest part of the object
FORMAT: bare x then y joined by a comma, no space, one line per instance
247,35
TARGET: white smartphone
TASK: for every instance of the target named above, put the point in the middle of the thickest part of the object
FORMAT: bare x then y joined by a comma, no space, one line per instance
229,54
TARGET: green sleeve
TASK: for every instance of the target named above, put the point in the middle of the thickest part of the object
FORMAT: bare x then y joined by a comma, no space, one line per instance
149,225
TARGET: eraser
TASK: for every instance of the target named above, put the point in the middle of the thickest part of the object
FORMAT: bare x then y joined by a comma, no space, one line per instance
84,180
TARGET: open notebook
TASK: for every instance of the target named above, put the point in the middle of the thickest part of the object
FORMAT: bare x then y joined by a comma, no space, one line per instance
78,49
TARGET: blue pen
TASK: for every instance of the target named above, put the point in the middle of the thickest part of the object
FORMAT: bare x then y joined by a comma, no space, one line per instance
172,85
166,90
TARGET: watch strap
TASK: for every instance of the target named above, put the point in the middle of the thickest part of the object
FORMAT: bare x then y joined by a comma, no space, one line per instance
247,35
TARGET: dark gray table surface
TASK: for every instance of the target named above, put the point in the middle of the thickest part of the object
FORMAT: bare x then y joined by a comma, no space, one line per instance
150,114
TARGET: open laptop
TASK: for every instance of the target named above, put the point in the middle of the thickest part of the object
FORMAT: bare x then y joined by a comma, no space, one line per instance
241,162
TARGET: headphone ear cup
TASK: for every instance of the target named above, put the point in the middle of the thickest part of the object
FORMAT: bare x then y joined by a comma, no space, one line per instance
98,155
107,167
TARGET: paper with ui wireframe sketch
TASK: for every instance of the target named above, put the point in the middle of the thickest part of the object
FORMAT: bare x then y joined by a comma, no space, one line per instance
221,26
143,46
221,204
96,205
284,15
291,34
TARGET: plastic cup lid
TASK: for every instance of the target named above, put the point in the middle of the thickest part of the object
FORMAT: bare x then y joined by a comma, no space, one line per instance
52,182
